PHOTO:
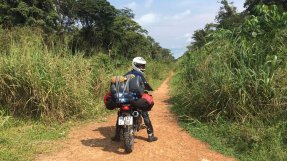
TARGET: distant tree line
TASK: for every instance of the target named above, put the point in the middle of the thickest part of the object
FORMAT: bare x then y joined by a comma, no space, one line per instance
90,26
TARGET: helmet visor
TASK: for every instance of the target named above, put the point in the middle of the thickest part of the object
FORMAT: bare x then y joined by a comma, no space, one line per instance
140,66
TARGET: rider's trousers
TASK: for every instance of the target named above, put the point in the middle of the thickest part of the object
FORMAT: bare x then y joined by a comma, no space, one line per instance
147,123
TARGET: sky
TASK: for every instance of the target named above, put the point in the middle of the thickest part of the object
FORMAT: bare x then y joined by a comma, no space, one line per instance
172,22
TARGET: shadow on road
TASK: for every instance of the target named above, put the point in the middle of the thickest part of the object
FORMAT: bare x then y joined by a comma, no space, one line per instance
106,143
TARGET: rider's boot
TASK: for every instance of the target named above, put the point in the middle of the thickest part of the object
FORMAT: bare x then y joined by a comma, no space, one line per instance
151,138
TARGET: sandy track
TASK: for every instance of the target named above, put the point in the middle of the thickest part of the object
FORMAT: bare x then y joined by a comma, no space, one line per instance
92,142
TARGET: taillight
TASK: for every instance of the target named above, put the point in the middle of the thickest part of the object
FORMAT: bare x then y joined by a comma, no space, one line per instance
125,108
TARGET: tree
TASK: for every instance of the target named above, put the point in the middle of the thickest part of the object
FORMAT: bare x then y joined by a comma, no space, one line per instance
227,17
95,18
126,12
28,12
251,4
127,35
66,12
200,37
225,11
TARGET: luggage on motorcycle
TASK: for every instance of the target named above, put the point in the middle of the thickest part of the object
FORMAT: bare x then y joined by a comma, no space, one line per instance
118,79
148,97
109,102
129,83
125,89
144,103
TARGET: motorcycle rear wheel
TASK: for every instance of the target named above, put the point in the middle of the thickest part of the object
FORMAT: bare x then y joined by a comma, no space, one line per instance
129,139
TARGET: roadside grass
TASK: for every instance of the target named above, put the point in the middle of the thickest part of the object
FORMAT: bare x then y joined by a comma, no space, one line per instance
21,140
244,141
157,72
24,139
231,92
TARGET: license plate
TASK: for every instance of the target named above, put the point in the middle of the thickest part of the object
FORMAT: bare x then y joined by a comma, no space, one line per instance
127,120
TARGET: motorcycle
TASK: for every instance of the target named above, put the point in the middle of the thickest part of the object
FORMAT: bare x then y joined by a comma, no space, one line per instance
129,120
129,117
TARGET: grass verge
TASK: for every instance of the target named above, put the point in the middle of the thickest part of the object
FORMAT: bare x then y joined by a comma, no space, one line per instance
244,141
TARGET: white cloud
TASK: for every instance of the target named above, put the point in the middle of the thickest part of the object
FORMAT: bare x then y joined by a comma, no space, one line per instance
148,3
189,37
181,15
131,5
147,19
186,3
205,18
186,35
176,34
239,5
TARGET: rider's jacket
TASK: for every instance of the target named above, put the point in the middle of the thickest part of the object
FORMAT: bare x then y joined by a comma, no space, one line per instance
137,73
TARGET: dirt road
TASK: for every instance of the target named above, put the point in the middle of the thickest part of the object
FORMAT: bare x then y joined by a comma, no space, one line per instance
92,142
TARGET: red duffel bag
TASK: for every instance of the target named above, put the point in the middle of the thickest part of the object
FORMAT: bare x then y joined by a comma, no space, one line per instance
144,103
148,97
109,102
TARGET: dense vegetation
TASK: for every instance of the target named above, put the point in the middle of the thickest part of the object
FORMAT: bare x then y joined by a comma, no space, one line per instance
233,82
43,92
56,60
56,56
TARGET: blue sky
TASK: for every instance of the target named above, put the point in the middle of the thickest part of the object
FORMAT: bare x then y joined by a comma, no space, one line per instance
172,22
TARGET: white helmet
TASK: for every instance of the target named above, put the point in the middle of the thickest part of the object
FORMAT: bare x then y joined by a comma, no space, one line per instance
139,64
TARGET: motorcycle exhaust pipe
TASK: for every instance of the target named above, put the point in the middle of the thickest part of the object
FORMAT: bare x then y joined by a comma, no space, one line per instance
136,114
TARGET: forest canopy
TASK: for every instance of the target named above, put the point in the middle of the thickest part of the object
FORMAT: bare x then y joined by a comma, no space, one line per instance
90,26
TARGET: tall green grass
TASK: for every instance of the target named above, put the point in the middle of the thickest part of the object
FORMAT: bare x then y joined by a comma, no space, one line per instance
37,82
235,87
237,79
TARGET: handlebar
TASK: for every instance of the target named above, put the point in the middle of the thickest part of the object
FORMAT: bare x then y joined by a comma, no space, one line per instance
148,87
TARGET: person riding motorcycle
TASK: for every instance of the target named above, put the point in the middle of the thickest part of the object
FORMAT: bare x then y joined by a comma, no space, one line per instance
138,65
